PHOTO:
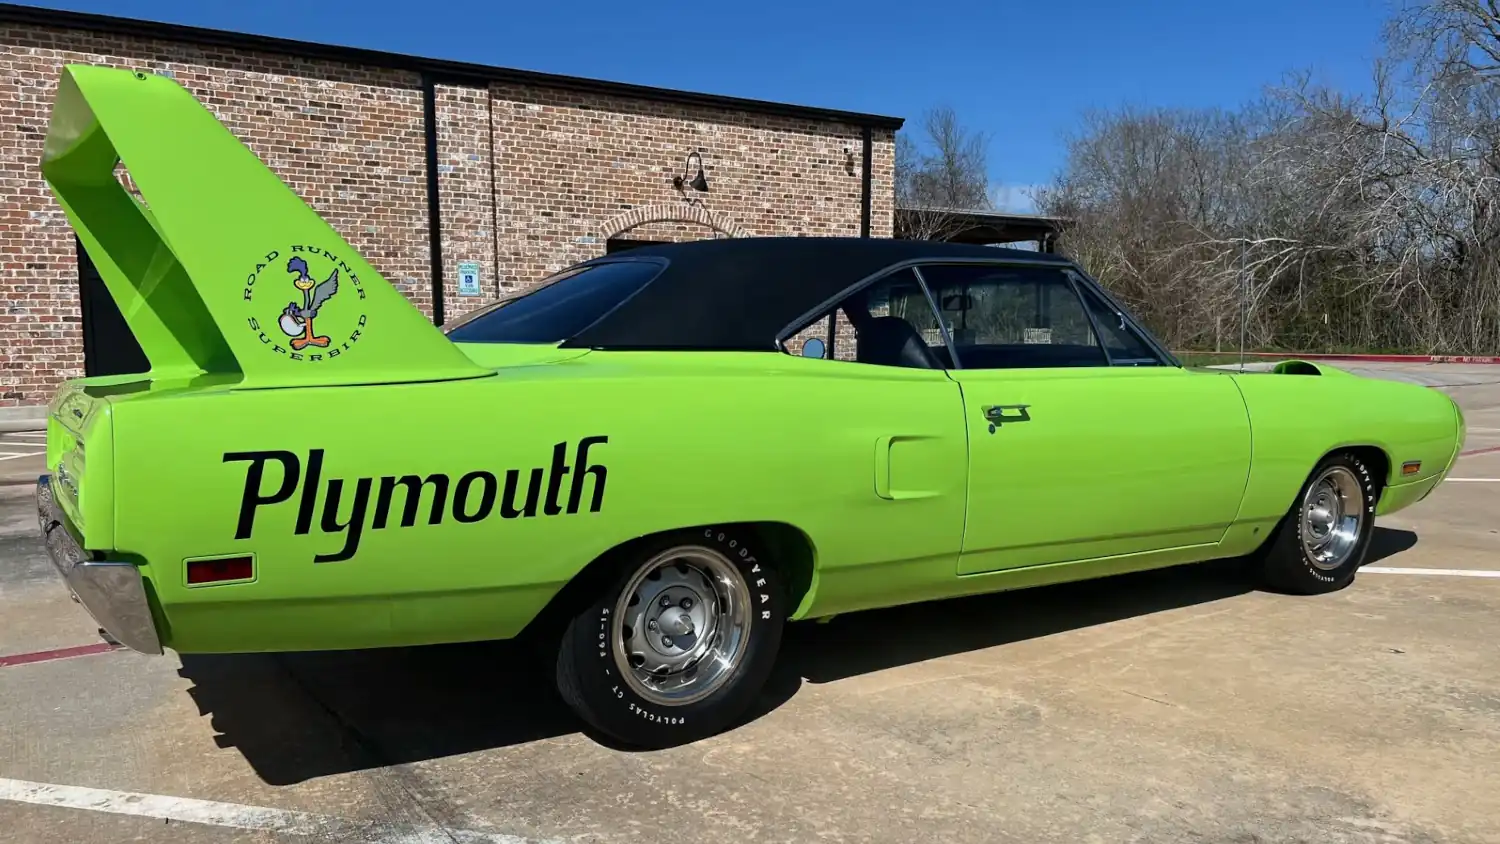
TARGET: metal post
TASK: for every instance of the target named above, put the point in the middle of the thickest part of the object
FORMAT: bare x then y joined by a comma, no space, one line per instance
434,204
867,140
1244,305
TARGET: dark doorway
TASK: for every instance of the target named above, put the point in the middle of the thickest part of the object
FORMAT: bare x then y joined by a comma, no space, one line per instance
620,244
108,346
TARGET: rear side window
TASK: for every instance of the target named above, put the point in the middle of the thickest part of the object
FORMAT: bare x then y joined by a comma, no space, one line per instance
558,308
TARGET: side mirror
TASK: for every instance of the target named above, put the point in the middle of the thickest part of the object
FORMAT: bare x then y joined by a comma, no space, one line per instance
958,302
813,348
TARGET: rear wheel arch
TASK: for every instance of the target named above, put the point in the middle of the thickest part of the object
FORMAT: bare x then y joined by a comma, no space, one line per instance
791,552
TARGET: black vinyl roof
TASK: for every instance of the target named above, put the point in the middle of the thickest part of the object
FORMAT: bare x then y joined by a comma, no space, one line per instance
740,293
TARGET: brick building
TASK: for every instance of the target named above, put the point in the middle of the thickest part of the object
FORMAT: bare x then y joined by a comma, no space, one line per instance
425,166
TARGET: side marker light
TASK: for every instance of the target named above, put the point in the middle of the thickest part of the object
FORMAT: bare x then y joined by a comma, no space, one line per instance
200,572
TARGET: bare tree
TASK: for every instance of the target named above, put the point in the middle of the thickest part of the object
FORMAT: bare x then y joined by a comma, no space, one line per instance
1150,191
949,173
1314,219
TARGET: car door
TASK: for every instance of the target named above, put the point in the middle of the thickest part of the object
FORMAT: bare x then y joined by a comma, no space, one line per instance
1080,447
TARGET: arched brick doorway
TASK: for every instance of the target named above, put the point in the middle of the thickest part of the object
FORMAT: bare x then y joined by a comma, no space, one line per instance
722,225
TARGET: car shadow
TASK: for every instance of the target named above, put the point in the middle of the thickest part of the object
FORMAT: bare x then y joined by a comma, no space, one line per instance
1388,542
300,716
877,640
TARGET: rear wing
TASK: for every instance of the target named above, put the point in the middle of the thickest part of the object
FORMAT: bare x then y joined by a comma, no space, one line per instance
220,268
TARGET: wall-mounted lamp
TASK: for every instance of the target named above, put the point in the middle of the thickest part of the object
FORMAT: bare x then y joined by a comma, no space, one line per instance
848,161
698,182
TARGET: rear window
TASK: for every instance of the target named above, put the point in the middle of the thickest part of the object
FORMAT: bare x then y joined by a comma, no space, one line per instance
558,308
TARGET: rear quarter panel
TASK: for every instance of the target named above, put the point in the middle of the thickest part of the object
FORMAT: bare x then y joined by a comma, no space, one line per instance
1297,419
683,441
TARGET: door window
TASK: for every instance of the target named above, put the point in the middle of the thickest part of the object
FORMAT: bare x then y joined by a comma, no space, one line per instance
1013,316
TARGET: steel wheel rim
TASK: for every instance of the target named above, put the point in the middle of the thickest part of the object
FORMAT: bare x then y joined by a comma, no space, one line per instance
1331,518
681,626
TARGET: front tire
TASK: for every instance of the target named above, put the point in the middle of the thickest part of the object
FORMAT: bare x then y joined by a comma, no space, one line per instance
1322,540
680,644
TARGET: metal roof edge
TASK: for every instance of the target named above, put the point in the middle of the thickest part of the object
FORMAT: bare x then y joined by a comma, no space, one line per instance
982,213
443,70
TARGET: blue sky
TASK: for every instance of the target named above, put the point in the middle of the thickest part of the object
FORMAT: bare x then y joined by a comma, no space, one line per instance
1022,72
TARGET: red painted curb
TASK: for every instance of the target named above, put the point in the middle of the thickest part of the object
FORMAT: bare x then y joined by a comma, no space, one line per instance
1487,359
1491,450
57,653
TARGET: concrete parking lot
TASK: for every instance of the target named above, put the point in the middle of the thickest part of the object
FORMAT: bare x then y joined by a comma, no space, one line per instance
1172,706
21,456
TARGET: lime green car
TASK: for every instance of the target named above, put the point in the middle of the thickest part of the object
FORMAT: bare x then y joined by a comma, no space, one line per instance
653,460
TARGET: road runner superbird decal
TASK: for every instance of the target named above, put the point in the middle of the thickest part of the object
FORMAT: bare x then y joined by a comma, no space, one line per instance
296,319
472,498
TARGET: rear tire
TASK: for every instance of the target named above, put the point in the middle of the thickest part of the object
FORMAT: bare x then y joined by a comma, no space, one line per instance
680,644
1322,541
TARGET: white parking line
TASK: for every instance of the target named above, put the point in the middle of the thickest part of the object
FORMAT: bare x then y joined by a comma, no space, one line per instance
12,455
1437,572
240,816
1472,481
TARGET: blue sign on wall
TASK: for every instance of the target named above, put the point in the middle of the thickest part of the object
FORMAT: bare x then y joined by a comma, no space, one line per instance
468,278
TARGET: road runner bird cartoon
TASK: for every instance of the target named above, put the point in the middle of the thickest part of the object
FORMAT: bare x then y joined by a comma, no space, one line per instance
298,320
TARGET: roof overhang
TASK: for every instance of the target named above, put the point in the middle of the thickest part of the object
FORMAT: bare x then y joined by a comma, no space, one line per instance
961,225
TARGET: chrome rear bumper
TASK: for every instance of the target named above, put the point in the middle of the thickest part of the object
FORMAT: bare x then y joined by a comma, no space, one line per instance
113,592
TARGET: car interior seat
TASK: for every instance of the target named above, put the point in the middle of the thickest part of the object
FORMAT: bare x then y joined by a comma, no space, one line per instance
892,341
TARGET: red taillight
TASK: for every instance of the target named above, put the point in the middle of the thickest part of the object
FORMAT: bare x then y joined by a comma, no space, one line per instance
218,571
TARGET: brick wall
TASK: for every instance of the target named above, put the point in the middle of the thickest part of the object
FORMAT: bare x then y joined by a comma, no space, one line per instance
530,179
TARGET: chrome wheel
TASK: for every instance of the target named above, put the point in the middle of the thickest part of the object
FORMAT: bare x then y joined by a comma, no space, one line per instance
1333,514
681,625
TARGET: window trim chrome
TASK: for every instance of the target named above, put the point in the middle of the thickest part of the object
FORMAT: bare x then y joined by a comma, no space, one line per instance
1075,273
1073,285
937,312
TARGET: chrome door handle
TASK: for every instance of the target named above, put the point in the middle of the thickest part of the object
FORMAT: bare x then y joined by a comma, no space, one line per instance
996,413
